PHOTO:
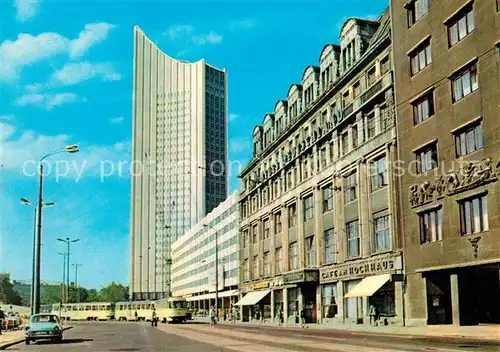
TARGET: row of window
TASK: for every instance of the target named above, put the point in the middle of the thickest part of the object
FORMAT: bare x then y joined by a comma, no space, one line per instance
381,242
473,213
467,140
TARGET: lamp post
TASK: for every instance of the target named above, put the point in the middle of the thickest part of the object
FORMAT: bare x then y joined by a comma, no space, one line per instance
45,204
216,273
76,282
36,277
63,275
163,266
68,241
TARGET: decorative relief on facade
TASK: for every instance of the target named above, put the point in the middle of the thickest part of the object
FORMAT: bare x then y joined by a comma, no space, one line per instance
474,242
470,176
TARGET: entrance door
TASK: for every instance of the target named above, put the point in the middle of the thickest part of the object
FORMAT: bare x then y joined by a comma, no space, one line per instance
309,293
438,299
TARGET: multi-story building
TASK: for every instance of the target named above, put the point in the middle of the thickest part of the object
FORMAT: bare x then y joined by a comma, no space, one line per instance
179,158
319,197
194,254
447,58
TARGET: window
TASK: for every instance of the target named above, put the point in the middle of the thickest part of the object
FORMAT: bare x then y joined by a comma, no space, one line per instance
350,185
498,5
246,270
255,234
427,158
382,239
329,246
329,303
423,108
416,10
311,251
308,207
421,57
293,256
461,25
345,143
267,265
352,239
370,125
322,158
277,223
469,139
385,65
279,260
431,225
354,132
266,229
256,267
245,239
464,83
327,198
371,76
292,216
356,90
305,169
473,215
379,173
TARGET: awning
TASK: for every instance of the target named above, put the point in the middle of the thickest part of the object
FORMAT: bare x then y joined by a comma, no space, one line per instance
252,298
212,295
368,286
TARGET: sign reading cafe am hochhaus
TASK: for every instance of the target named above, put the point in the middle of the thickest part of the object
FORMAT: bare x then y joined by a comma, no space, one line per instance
384,265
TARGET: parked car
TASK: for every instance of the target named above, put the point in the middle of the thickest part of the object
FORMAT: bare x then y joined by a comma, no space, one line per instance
44,327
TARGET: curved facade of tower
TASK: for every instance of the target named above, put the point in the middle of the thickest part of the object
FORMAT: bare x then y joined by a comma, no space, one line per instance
179,155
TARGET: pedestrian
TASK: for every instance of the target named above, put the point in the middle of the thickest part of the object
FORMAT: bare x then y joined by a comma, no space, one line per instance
153,318
280,317
373,314
135,315
224,315
2,317
235,316
212,317
303,318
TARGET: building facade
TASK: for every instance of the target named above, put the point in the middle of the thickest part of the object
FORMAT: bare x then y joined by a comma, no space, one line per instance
193,258
179,158
447,59
319,197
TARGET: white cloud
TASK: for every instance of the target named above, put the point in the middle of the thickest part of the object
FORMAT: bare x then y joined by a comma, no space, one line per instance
233,116
6,117
237,145
73,73
241,24
28,49
179,30
29,146
117,120
26,9
47,100
92,34
210,38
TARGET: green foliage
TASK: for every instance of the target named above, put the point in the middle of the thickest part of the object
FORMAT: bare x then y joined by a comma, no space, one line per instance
92,295
114,292
50,294
7,293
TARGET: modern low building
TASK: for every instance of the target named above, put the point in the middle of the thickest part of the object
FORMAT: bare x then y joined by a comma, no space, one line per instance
194,253
179,158
447,75
319,202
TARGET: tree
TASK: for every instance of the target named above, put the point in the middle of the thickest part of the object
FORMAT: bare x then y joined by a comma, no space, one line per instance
50,294
114,292
7,293
92,295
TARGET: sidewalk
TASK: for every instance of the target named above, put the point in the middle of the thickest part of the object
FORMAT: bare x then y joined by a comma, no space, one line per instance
482,333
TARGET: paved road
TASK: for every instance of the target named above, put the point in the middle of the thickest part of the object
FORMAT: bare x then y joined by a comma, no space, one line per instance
123,336
116,337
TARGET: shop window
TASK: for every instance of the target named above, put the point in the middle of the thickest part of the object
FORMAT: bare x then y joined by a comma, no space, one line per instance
293,302
469,139
383,300
431,225
329,305
473,215
327,198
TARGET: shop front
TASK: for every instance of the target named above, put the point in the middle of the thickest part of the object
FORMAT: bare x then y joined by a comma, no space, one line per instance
301,294
366,291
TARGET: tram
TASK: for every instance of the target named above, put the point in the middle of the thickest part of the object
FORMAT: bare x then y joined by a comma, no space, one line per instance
85,311
171,310
126,311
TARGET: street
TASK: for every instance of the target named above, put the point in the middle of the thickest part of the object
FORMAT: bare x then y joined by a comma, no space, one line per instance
118,336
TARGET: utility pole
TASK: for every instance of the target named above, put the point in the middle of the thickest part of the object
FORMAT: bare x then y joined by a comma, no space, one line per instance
68,241
63,276
76,282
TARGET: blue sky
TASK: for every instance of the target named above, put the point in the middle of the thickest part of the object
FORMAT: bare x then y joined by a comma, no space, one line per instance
66,77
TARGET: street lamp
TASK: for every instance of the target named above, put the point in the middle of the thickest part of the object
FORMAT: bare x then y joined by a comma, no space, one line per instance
68,241
36,279
216,272
63,275
44,204
76,281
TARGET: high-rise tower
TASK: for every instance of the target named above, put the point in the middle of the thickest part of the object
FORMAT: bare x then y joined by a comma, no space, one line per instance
179,155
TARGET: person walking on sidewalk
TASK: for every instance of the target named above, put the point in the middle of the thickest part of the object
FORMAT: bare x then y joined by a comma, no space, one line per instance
303,318
212,317
2,317
234,315
154,321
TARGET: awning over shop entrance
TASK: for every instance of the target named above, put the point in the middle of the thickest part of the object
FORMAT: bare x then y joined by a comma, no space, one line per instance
252,298
368,286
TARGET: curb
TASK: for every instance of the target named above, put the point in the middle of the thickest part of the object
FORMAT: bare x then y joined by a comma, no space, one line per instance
15,342
429,338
